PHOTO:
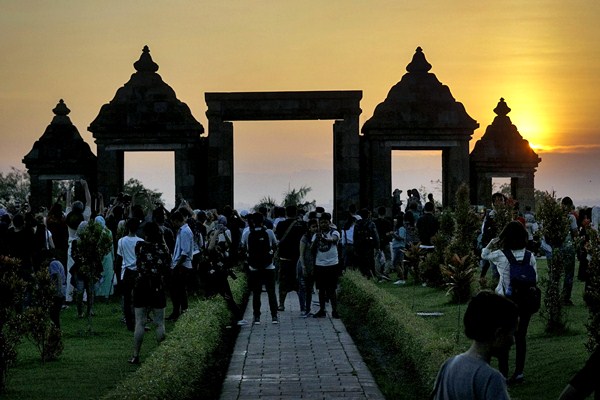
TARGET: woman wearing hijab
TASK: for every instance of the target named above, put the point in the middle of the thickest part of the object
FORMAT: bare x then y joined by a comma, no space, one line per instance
104,287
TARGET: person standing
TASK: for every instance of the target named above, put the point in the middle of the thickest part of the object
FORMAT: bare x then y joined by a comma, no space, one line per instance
366,241
181,265
306,264
153,262
326,265
288,233
490,322
567,251
427,227
127,261
260,243
385,229
513,239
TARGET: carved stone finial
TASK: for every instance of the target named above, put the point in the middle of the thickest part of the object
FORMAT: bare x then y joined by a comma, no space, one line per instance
145,63
418,63
61,109
502,109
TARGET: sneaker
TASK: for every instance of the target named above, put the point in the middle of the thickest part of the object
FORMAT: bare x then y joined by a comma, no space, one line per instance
320,314
242,322
305,314
515,379
281,308
400,282
256,320
134,360
385,277
334,314
275,320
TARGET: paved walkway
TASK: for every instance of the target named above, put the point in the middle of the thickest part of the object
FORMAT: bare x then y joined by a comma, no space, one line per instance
300,358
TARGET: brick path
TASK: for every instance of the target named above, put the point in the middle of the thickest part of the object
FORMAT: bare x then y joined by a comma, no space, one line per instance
300,358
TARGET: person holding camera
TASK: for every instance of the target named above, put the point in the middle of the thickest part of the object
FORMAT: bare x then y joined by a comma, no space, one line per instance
326,265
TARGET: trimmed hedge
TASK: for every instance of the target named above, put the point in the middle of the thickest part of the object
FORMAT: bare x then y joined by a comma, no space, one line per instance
405,340
194,356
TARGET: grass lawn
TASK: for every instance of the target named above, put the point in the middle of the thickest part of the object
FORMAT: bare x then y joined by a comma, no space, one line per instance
90,365
551,360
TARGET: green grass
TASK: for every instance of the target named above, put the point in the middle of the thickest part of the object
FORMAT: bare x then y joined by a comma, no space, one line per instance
90,365
551,360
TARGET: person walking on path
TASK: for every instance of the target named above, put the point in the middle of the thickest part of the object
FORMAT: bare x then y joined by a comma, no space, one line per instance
260,243
153,262
512,240
326,265
126,258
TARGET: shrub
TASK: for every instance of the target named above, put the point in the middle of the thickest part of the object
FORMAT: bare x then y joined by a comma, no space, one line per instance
193,358
37,325
406,340
12,293
592,291
555,228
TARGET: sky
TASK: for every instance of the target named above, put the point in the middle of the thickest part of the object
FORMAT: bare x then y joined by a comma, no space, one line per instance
542,56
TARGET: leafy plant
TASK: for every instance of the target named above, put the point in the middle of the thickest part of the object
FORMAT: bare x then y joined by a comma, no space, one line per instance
413,255
555,228
459,274
37,325
12,293
591,295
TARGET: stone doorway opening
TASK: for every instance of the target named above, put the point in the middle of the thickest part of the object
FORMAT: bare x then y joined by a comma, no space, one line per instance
421,170
304,161
141,165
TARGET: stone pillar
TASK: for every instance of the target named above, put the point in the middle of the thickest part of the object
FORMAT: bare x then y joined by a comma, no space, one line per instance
484,190
184,174
523,190
40,192
110,171
455,171
380,192
220,163
346,166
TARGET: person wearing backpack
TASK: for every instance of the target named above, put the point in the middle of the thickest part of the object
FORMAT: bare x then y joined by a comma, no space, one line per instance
153,262
508,252
260,244
366,241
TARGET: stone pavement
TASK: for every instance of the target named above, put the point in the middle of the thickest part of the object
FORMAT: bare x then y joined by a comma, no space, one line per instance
299,358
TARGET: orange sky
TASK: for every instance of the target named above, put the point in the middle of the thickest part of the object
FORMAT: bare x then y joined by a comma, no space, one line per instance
542,56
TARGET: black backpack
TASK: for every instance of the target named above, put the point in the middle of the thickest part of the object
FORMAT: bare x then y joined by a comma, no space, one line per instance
260,253
523,288
364,238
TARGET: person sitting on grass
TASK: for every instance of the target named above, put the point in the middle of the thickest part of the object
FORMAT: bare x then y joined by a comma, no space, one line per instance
490,322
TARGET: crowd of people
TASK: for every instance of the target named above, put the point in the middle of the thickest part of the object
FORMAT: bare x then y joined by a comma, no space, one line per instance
151,255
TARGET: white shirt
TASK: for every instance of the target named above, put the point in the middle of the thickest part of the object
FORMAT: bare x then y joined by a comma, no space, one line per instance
499,259
126,249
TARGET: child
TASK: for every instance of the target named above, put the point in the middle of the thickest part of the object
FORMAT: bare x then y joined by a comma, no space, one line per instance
490,321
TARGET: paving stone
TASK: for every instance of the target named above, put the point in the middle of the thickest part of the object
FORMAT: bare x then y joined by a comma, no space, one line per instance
300,358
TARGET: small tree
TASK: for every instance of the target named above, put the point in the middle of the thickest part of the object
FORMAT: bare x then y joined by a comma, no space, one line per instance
141,195
461,263
292,197
37,325
555,228
592,290
12,293
14,188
